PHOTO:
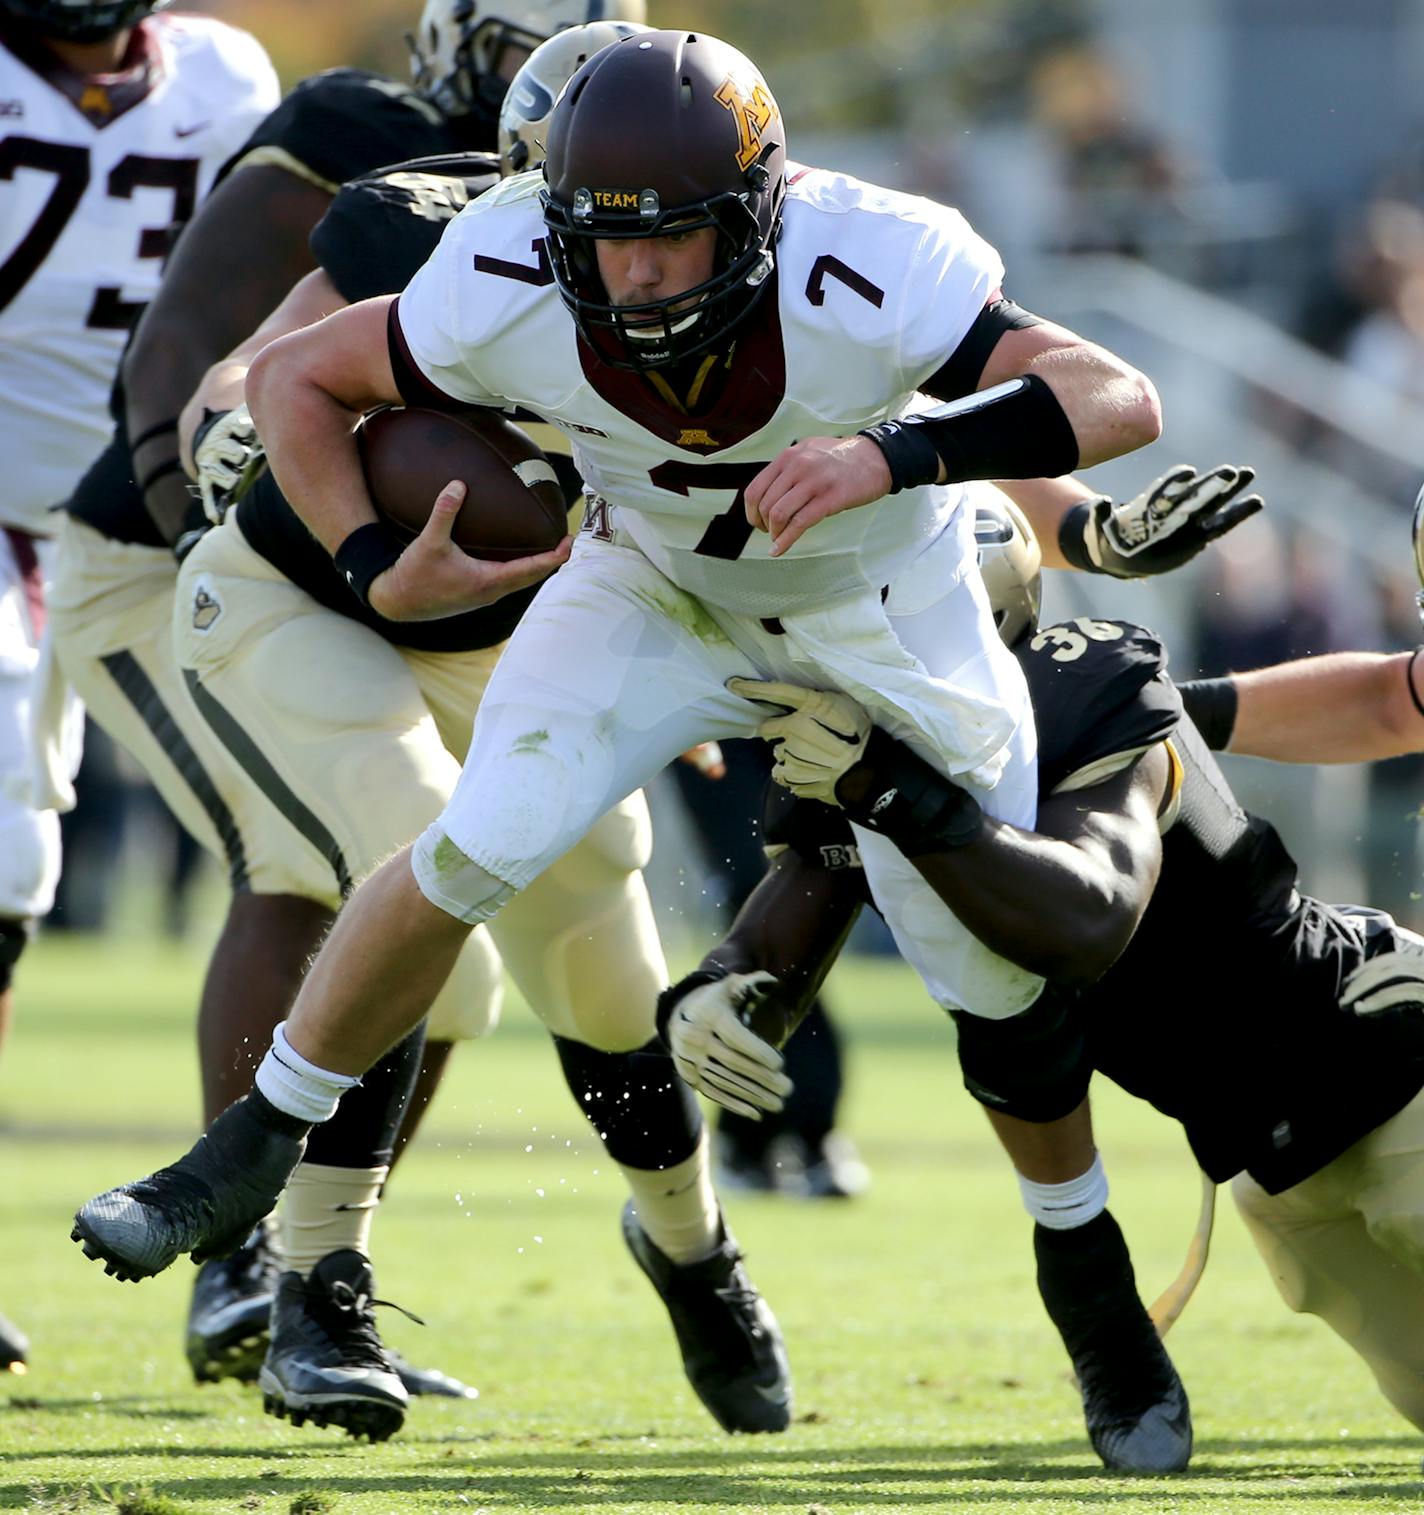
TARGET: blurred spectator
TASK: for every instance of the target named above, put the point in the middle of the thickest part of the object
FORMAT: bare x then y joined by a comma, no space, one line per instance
1385,271
1119,178
1250,613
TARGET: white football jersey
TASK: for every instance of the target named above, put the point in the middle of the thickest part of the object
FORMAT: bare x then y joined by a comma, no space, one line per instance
94,176
874,291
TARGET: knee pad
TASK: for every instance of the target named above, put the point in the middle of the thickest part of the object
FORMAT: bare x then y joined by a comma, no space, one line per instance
644,1113
1033,1066
14,938
453,882
29,859
618,844
469,1005
588,962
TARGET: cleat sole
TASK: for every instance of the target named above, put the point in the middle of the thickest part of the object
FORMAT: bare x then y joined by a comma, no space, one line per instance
114,1265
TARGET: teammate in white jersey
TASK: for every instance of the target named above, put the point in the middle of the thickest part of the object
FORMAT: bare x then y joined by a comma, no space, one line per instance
733,330
112,126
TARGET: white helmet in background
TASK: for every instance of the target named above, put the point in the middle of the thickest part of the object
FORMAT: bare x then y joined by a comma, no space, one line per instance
1009,562
524,117
457,47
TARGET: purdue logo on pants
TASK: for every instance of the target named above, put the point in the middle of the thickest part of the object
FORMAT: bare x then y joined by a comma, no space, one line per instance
206,608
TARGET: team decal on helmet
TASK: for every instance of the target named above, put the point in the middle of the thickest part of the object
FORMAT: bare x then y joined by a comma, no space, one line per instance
753,110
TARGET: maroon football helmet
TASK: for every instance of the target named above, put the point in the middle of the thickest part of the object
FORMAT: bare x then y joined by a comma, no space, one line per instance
80,20
661,132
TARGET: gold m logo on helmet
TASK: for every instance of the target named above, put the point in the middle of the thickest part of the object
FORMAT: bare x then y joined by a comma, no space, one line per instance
753,114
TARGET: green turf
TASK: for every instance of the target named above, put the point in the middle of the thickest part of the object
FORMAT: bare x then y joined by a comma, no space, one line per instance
927,1377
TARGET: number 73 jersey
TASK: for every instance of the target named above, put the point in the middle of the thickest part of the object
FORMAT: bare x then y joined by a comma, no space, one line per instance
96,175
873,292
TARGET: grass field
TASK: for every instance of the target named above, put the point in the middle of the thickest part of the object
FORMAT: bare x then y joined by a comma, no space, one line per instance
927,1376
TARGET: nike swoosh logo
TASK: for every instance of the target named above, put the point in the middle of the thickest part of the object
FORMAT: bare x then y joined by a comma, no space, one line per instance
188,131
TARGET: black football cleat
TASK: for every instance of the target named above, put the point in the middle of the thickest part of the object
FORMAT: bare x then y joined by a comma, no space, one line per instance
14,1348
206,1203
229,1310
732,1351
430,1383
1135,1406
326,1363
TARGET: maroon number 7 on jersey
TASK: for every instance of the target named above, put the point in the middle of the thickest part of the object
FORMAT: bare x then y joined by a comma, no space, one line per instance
729,532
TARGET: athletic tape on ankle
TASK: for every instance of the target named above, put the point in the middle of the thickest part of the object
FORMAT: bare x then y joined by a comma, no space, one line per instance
298,1087
1064,1207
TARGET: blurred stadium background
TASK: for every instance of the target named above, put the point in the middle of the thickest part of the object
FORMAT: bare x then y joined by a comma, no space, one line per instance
1230,193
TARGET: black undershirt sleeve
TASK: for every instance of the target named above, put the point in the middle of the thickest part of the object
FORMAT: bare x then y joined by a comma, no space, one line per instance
1211,704
961,372
414,387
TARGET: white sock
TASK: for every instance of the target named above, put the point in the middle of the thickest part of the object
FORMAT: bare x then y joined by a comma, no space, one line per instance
327,1210
296,1087
1065,1207
677,1206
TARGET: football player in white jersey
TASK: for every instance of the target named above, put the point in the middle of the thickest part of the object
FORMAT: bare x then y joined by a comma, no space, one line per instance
745,351
113,124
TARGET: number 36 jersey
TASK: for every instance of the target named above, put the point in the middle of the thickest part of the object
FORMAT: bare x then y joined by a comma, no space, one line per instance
873,291
96,175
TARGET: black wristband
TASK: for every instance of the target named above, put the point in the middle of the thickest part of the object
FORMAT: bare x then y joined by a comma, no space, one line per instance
158,429
669,999
1073,534
908,802
1016,430
365,555
1211,706
909,454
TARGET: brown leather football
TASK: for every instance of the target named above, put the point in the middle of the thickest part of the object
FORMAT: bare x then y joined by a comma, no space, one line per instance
515,505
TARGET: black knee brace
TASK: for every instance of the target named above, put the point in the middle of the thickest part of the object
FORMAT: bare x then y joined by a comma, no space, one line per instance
648,1118
14,938
1033,1066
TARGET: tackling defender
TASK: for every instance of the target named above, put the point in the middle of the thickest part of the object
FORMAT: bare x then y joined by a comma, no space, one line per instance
1317,1115
116,124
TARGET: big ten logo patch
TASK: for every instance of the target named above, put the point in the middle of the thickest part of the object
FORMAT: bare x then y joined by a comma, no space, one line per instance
597,518
752,109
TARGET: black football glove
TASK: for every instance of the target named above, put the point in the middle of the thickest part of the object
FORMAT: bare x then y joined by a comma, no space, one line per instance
1164,527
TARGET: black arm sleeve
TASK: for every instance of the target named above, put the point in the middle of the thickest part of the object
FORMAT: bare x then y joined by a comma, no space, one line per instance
961,372
1211,704
414,387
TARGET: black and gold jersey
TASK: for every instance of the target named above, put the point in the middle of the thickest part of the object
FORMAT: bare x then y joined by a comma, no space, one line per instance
1223,1011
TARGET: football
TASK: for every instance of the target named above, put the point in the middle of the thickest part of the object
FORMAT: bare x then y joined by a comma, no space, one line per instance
515,505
